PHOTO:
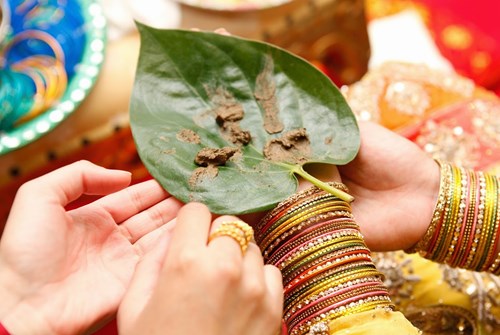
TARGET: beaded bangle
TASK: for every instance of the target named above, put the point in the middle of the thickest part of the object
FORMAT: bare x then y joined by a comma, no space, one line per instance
495,266
464,231
494,226
327,268
439,210
495,262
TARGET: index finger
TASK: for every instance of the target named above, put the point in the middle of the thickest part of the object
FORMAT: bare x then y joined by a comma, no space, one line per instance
71,181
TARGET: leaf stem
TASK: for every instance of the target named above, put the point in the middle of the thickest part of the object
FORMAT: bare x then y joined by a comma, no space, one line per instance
298,169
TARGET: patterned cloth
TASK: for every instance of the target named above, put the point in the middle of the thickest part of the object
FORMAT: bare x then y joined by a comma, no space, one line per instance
452,119
465,32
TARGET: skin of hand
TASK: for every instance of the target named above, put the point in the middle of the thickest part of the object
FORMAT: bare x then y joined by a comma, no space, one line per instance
190,286
395,185
64,272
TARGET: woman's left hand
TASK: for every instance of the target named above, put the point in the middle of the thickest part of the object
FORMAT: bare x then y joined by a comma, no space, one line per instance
64,271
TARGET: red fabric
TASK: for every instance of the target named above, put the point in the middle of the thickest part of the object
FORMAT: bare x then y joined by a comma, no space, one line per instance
477,56
482,14
109,329
3,331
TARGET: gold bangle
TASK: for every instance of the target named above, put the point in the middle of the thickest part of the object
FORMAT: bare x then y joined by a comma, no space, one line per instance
444,184
295,198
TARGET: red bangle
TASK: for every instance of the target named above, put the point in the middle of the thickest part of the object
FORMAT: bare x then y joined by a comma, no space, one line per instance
3,331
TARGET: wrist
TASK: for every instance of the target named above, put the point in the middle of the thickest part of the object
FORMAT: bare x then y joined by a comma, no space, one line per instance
24,319
429,192
432,191
25,309
8,290
16,315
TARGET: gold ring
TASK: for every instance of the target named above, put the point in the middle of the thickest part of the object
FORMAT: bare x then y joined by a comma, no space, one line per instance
244,227
237,230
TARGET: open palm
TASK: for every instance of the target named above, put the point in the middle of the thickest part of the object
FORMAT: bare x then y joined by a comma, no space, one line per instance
71,268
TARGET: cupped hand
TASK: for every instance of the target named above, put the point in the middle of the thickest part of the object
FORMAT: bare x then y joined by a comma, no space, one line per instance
63,272
395,185
201,287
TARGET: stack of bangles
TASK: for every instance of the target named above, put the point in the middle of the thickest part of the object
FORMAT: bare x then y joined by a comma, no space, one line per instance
327,268
32,84
464,231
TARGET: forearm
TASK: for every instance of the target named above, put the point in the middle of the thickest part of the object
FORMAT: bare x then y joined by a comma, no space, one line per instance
10,296
16,315
327,269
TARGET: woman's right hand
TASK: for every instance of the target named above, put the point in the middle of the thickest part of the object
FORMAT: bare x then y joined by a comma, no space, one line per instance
201,287
395,185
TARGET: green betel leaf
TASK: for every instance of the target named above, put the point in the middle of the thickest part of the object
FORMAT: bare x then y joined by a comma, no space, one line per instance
229,122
